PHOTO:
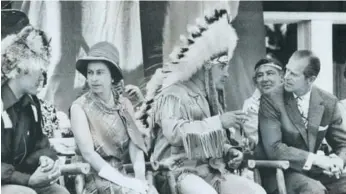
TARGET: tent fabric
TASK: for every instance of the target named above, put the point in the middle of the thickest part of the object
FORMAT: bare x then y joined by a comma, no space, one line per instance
74,26
248,22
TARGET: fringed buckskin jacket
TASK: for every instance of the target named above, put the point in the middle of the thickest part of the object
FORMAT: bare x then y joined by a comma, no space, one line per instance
188,137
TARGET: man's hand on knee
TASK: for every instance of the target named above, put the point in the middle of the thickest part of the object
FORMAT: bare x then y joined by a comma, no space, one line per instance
234,157
46,163
337,166
42,179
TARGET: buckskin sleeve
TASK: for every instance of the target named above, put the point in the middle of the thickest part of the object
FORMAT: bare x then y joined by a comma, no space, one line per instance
10,176
174,120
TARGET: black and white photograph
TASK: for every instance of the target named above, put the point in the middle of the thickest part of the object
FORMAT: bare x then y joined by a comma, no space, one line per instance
173,97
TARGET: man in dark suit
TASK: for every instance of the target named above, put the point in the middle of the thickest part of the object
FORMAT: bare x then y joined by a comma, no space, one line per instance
294,119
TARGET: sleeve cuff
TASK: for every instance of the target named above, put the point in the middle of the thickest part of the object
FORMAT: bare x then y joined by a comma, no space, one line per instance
109,173
309,161
214,121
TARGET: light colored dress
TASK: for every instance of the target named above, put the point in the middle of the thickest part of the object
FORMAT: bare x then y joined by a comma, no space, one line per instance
112,129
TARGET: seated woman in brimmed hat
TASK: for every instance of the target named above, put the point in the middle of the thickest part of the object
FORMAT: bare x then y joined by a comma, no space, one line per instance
104,129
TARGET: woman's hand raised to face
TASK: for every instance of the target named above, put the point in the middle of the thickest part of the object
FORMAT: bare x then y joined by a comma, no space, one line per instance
134,93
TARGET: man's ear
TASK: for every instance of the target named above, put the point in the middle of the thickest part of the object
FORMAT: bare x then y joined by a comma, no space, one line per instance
312,79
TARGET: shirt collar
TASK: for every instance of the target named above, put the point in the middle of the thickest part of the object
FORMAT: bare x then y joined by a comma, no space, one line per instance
9,99
256,95
305,97
7,96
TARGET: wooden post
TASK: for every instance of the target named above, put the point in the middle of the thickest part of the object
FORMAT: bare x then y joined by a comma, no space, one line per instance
172,183
280,181
79,183
257,176
317,35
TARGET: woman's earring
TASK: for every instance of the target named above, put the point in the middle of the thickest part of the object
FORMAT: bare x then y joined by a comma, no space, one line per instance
112,81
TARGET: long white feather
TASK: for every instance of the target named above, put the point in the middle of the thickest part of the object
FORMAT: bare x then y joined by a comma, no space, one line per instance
219,37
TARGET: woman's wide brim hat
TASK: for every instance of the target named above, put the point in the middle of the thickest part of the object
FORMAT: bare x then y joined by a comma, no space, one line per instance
105,52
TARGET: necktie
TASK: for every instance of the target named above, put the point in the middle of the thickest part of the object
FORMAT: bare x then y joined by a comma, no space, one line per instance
303,114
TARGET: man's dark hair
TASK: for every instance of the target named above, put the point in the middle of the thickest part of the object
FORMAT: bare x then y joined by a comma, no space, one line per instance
268,60
314,64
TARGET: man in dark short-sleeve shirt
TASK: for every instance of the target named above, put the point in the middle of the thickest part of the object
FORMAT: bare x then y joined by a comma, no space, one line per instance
28,164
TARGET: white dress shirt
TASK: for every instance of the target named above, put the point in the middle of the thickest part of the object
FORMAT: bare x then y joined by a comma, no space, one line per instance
303,105
251,108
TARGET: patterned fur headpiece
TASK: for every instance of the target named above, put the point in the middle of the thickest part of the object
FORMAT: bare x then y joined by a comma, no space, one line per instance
211,37
29,49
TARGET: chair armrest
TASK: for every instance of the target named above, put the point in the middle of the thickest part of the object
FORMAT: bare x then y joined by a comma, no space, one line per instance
151,166
75,168
64,146
281,164
129,167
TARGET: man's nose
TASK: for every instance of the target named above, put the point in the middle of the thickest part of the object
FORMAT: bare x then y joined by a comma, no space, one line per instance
265,77
225,73
93,77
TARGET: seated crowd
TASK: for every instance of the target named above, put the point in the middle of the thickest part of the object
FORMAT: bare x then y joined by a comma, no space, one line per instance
182,121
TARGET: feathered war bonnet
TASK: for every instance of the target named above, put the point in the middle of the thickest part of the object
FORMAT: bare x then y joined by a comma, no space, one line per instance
28,49
211,38
211,41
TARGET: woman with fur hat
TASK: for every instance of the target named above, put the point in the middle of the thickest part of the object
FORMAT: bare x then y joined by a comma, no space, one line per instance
103,126
192,129
27,160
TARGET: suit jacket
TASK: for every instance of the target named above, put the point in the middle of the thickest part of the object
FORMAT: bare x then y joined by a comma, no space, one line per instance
283,135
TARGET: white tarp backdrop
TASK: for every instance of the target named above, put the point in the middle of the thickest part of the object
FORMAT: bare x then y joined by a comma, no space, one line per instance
74,26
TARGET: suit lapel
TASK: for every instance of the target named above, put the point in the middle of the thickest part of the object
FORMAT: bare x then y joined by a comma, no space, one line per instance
294,115
315,114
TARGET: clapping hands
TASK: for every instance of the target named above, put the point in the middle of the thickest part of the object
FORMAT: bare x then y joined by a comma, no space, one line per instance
134,93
